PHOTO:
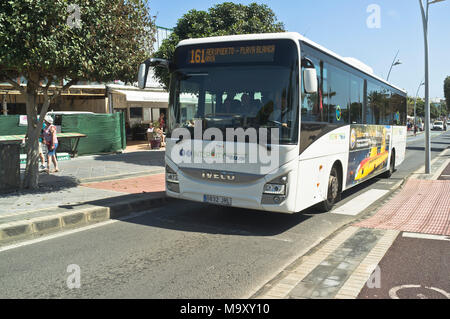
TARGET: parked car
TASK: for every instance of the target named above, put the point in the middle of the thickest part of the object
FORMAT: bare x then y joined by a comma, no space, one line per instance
448,123
438,125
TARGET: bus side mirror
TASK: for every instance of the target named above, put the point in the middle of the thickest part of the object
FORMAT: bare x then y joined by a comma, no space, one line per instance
144,67
310,80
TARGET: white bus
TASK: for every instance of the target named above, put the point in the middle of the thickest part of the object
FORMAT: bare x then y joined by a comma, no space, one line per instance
336,124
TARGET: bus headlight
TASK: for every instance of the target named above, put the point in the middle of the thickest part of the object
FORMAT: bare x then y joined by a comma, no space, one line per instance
172,182
275,192
275,189
171,176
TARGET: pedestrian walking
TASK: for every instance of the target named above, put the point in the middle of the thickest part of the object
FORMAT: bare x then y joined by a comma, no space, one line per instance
415,129
41,146
51,141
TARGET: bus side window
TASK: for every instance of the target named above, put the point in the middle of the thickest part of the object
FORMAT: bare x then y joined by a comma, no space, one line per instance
398,103
338,85
385,107
356,100
372,104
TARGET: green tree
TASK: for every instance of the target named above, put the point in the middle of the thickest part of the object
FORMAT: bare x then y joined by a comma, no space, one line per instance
223,19
420,107
52,41
447,93
435,111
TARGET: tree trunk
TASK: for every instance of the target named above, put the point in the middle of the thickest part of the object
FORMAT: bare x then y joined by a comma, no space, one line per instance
4,105
31,178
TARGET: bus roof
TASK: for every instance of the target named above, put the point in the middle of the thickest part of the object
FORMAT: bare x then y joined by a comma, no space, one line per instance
353,62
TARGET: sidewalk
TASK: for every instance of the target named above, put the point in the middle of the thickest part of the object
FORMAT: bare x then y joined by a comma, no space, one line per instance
86,190
352,263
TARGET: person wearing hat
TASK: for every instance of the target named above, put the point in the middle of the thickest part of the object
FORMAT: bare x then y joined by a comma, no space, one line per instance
51,141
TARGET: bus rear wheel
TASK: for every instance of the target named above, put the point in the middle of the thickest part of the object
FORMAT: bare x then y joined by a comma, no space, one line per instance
333,194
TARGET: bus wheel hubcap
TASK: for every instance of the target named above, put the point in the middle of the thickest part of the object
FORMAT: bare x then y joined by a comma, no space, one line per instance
333,187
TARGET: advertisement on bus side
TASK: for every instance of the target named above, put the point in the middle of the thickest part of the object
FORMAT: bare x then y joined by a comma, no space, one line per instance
369,151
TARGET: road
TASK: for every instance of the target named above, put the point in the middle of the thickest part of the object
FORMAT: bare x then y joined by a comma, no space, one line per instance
182,250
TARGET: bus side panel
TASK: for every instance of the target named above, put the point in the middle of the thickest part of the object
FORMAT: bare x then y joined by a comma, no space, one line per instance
315,165
399,143
369,152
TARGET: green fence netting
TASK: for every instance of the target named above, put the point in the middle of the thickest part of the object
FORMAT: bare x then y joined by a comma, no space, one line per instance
9,125
105,132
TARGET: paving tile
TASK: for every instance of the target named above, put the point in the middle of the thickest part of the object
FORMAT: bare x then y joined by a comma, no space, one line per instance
63,188
302,290
422,206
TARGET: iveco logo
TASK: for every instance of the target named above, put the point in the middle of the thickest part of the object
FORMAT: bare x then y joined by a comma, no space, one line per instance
219,176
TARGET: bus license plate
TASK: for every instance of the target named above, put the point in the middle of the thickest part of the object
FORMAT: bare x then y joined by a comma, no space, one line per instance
218,200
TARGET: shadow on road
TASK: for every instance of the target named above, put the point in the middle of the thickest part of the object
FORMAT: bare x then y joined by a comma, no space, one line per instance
48,183
190,216
202,218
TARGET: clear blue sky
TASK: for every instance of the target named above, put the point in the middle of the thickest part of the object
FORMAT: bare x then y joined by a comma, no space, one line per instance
341,26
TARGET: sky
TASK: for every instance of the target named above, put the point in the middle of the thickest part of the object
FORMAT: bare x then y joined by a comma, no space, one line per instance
342,26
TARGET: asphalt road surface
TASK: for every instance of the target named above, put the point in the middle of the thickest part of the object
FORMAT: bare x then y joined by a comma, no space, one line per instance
182,250
413,268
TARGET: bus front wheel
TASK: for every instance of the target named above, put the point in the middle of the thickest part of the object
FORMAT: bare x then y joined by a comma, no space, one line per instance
333,193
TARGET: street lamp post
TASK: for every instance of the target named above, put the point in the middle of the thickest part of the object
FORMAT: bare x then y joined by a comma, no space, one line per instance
394,63
415,101
424,12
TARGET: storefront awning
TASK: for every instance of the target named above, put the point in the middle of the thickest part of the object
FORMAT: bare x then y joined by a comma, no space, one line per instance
161,98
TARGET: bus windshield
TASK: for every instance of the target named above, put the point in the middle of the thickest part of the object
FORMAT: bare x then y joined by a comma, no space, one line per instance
232,92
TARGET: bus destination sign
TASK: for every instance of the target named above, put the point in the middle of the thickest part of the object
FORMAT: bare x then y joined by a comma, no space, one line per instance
232,54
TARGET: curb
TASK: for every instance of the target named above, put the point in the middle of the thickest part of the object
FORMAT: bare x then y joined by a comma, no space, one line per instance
108,178
75,218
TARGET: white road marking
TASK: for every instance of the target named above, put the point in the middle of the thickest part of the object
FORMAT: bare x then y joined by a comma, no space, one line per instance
426,236
393,291
69,232
361,202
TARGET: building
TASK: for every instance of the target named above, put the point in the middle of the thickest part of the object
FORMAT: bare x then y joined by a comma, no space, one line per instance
139,106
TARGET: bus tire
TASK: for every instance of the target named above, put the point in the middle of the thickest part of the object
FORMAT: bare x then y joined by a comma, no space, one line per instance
391,170
333,193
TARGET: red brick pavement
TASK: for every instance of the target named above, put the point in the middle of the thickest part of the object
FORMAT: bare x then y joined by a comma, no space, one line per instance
423,206
149,184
